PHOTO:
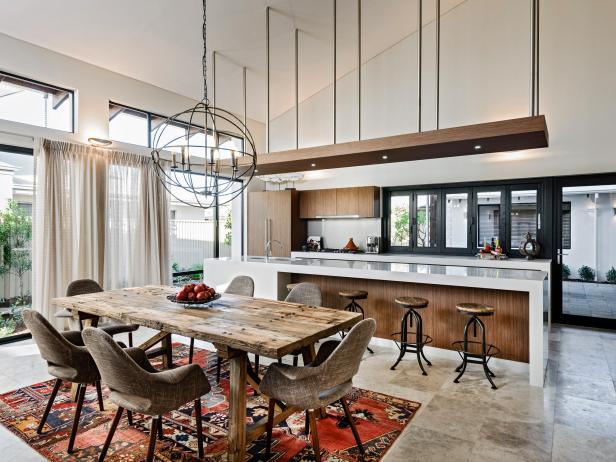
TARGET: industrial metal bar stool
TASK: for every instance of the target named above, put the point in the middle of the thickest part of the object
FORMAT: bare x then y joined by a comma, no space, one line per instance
353,306
472,351
411,305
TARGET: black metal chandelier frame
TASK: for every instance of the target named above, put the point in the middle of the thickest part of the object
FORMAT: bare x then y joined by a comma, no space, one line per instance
197,172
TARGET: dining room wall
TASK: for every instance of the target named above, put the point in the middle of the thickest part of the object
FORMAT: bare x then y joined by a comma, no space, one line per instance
94,88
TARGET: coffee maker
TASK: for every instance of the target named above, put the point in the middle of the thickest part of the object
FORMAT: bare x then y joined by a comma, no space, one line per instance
373,244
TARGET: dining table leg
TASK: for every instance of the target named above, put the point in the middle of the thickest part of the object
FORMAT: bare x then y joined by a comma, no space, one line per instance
238,363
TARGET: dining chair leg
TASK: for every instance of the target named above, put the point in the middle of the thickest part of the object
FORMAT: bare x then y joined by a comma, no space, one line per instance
152,445
315,436
349,417
307,423
199,423
112,429
52,397
130,339
160,427
218,366
269,427
191,350
295,360
257,364
129,416
99,394
81,394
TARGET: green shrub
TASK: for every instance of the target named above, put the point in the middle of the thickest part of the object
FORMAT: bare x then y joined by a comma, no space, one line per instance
611,275
566,272
586,273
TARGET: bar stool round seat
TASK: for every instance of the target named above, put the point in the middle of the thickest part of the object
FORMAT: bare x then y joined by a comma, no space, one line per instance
477,351
412,302
353,306
292,285
478,309
354,294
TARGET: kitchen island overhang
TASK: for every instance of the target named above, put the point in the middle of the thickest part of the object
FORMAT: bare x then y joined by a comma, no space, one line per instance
521,322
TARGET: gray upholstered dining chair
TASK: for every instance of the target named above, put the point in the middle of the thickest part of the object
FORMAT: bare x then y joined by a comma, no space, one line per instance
328,379
67,360
304,293
239,285
137,387
112,327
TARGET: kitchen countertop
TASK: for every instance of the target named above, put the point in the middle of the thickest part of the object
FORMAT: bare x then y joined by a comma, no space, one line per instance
469,276
449,260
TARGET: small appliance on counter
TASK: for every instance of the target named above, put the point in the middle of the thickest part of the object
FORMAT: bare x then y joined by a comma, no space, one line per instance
373,244
314,244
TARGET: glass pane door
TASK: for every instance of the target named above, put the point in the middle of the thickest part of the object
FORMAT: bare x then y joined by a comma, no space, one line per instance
523,216
426,221
587,254
488,218
456,220
399,220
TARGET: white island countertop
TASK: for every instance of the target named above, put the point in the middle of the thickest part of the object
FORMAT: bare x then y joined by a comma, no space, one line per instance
450,260
271,278
466,276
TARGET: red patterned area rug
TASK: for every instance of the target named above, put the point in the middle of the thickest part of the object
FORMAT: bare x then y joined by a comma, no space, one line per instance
380,420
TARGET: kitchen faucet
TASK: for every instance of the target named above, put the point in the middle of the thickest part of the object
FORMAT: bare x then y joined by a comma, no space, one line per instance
269,240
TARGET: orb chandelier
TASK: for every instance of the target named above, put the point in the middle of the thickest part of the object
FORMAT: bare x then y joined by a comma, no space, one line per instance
196,152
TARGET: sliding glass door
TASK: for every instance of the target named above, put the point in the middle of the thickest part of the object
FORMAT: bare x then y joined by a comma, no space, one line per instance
16,195
586,253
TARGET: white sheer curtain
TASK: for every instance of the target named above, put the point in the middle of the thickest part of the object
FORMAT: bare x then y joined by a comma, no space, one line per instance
137,234
98,214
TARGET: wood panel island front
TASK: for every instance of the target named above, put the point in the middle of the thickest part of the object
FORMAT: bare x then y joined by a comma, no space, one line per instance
518,327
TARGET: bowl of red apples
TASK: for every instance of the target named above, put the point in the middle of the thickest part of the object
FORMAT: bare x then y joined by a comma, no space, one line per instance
195,294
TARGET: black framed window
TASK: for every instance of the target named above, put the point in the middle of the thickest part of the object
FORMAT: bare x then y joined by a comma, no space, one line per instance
426,221
36,103
457,208
460,219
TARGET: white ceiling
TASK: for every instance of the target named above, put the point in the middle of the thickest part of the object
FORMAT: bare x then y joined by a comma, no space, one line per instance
159,41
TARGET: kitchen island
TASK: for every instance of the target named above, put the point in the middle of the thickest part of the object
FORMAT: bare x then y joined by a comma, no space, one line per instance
518,327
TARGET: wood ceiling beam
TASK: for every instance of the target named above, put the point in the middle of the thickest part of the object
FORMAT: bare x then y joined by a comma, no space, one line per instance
500,136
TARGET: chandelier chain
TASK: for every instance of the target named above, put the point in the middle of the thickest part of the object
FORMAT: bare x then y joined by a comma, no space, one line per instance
204,57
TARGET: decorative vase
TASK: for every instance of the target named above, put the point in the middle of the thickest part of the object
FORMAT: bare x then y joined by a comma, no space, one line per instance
529,247
351,245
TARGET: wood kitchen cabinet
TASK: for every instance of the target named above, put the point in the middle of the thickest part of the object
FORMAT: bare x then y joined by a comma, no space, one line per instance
281,210
362,202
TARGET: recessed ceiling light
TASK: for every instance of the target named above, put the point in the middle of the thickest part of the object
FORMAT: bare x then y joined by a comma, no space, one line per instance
99,142
384,157
477,147
313,165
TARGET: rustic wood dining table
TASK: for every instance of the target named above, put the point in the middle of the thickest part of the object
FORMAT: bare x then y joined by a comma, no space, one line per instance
236,325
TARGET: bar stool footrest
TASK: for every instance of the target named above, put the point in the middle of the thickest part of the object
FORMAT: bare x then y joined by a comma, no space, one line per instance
491,350
426,340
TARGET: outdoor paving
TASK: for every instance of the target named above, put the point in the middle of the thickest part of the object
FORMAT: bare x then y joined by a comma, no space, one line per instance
589,299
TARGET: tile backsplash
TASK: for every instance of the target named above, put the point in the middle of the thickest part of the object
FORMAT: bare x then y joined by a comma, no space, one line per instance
336,231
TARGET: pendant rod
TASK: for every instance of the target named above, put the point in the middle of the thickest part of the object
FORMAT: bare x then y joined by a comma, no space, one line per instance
419,46
296,88
245,97
438,63
334,88
267,60
359,69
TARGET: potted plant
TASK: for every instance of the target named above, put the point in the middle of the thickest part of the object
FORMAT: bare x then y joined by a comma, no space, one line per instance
566,271
610,276
586,273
